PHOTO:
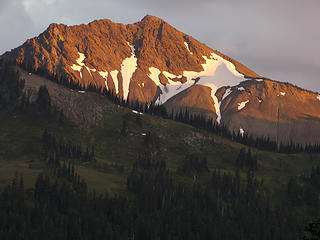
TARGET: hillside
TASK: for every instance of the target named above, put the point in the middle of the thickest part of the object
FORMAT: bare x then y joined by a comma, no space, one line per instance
101,126
158,168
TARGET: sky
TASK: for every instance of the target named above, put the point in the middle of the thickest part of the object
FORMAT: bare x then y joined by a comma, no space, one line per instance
278,39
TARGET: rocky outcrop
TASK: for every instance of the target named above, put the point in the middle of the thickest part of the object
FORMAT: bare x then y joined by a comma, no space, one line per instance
197,99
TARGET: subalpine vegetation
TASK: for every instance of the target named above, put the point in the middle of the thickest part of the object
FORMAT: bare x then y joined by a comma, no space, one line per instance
196,120
157,202
156,206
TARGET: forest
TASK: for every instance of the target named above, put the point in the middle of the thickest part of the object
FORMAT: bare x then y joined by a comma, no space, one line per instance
158,202
156,206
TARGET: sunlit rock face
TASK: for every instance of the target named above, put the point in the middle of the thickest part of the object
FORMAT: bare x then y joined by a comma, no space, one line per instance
151,61
107,54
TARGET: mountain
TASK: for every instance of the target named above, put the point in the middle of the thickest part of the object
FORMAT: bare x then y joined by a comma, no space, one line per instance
162,170
151,61
78,156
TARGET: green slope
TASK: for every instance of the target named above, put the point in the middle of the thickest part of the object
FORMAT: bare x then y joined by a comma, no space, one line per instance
21,147
146,198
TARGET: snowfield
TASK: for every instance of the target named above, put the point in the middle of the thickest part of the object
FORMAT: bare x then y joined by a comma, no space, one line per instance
128,67
80,65
217,72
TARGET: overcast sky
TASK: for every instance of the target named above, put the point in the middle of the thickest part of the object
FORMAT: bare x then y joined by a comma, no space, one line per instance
279,39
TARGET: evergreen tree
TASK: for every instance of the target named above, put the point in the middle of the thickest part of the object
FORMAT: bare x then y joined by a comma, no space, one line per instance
43,99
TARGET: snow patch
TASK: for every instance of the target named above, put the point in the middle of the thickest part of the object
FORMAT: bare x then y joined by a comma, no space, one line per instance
81,91
218,75
230,66
242,105
81,59
76,67
170,90
187,46
136,112
133,50
215,100
226,94
80,65
105,76
218,105
128,67
154,75
241,131
217,72
241,89
114,75
170,76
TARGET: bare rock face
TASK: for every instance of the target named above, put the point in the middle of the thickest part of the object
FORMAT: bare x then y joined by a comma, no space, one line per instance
151,61
197,99
105,45
278,110
262,107
142,87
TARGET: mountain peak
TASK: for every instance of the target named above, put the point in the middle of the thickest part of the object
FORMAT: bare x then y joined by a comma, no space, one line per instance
53,25
117,56
150,18
151,61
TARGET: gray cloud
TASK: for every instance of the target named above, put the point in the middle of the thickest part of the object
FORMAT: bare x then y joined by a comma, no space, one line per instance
15,24
276,38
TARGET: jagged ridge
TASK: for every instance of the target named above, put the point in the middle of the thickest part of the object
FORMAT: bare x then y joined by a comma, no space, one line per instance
105,45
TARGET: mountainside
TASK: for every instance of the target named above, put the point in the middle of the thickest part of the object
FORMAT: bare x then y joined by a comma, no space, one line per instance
151,61
162,170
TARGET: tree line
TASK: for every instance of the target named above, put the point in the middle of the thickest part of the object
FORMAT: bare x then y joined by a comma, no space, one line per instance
55,148
262,143
154,205
197,120
246,160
